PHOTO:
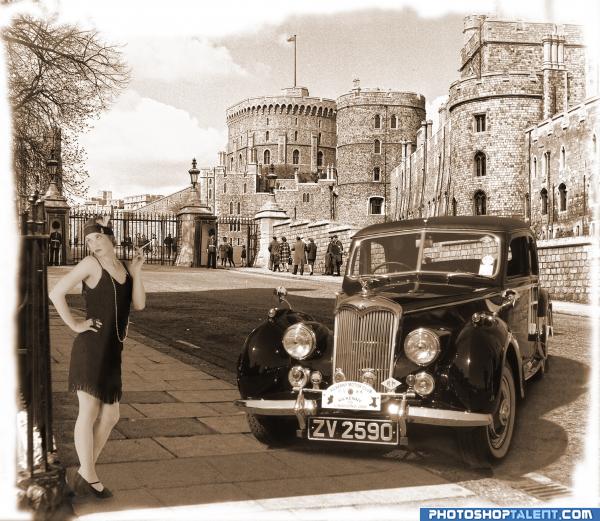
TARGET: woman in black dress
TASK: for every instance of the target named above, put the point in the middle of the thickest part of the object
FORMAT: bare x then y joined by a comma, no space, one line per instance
109,288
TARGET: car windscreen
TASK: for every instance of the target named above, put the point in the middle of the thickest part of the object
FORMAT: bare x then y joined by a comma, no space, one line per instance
447,252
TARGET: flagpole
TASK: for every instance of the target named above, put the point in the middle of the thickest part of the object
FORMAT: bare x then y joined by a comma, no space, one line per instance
294,61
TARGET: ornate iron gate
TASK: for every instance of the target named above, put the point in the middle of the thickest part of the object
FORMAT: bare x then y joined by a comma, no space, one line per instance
240,231
158,231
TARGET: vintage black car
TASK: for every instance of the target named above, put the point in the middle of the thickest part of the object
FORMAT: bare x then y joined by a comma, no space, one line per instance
440,321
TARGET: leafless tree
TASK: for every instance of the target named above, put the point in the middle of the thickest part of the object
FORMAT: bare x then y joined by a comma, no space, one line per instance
60,78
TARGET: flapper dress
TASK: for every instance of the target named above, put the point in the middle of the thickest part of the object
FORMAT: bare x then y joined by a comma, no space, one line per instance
96,356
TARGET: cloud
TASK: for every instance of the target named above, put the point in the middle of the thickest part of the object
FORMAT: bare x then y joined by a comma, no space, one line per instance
432,108
142,144
175,58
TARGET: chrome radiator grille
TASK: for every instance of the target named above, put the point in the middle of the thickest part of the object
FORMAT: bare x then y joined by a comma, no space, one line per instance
364,340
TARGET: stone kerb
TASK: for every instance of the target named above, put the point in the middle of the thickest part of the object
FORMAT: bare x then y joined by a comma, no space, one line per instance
565,266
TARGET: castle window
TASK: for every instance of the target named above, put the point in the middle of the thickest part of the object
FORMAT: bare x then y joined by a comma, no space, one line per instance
376,174
267,135
546,166
479,203
319,123
594,148
224,188
231,163
267,157
393,121
377,121
480,123
295,135
239,208
375,205
563,158
534,167
527,206
480,166
231,208
544,201
295,121
209,193
240,160
319,158
562,196
319,137
306,198
245,188
377,146
454,206
296,157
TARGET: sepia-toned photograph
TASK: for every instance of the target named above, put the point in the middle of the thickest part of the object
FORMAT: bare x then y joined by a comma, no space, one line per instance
299,260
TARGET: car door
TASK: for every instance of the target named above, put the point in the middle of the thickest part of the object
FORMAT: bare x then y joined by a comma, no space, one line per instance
519,278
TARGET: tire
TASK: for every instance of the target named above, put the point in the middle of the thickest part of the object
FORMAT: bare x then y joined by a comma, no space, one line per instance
272,431
481,446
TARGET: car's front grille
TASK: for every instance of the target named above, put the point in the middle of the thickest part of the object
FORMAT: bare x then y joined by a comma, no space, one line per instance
364,339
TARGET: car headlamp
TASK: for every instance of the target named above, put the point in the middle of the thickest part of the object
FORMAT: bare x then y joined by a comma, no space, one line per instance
299,341
422,346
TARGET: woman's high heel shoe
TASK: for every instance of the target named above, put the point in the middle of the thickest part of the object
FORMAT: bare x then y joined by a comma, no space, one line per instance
83,488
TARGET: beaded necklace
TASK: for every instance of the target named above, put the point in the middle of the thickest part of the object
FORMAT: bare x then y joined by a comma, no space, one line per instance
117,310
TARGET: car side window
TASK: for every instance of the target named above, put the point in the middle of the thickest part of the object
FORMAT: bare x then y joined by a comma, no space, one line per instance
518,258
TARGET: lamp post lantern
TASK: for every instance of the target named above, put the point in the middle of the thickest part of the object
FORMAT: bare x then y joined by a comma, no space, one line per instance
271,178
194,173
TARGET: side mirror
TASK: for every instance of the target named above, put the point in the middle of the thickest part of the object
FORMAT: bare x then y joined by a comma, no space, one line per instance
509,298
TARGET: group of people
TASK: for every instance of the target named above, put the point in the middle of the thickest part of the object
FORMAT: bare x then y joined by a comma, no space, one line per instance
283,255
222,251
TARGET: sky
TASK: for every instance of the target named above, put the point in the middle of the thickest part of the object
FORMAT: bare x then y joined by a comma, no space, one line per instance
191,61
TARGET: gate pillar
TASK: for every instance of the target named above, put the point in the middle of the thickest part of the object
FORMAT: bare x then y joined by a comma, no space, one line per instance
266,217
195,223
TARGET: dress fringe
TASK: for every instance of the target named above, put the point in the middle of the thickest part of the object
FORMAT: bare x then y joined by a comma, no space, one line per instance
108,398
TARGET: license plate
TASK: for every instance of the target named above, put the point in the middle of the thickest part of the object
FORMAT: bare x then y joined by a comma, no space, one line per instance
384,432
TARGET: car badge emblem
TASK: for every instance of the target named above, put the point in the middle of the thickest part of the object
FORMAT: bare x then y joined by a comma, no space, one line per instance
364,283
390,384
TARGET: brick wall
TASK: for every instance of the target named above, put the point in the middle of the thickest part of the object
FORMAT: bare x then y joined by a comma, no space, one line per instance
565,268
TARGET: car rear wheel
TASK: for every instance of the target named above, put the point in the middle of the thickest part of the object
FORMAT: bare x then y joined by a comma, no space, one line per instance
272,431
482,445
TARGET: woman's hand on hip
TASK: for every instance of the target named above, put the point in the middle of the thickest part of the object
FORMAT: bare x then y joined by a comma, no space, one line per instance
90,324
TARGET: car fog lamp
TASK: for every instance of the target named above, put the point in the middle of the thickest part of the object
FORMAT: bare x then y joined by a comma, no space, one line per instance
299,341
422,346
424,383
298,376
393,409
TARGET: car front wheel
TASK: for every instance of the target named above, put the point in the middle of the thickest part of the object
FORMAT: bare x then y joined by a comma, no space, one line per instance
272,431
483,445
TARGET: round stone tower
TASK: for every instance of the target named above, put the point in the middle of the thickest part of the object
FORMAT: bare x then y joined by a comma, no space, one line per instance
375,129
293,131
489,115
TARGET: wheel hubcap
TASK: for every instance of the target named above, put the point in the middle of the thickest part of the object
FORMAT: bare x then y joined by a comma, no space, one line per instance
499,428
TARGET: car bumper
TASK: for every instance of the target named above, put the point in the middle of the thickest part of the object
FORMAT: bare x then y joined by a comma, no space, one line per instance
408,413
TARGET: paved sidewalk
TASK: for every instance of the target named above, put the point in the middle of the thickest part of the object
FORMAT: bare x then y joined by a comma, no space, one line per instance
182,449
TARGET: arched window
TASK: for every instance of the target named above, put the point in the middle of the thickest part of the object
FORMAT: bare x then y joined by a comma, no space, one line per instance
546,166
376,174
377,121
319,158
454,206
267,136
479,203
562,196
239,208
563,158
544,201
231,208
295,135
480,166
296,157
267,157
231,164
534,168
376,205
240,160
377,146
393,121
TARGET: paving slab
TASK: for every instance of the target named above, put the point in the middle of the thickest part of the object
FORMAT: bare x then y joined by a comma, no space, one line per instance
63,431
146,397
206,396
225,408
199,494
281,488
173,410
208,445
170,374
121,500
133,450
194,384
227,424
234,467
177,472
153,427
127,411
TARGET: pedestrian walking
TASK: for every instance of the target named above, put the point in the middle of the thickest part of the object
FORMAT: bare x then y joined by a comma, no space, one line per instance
110,288
299,255
55,244
230,255
243,255
274,250
223,248
285,254
311,254
336,250
329,262
212,250
168,242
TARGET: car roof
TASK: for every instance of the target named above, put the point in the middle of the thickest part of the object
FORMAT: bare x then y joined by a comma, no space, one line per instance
472,222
